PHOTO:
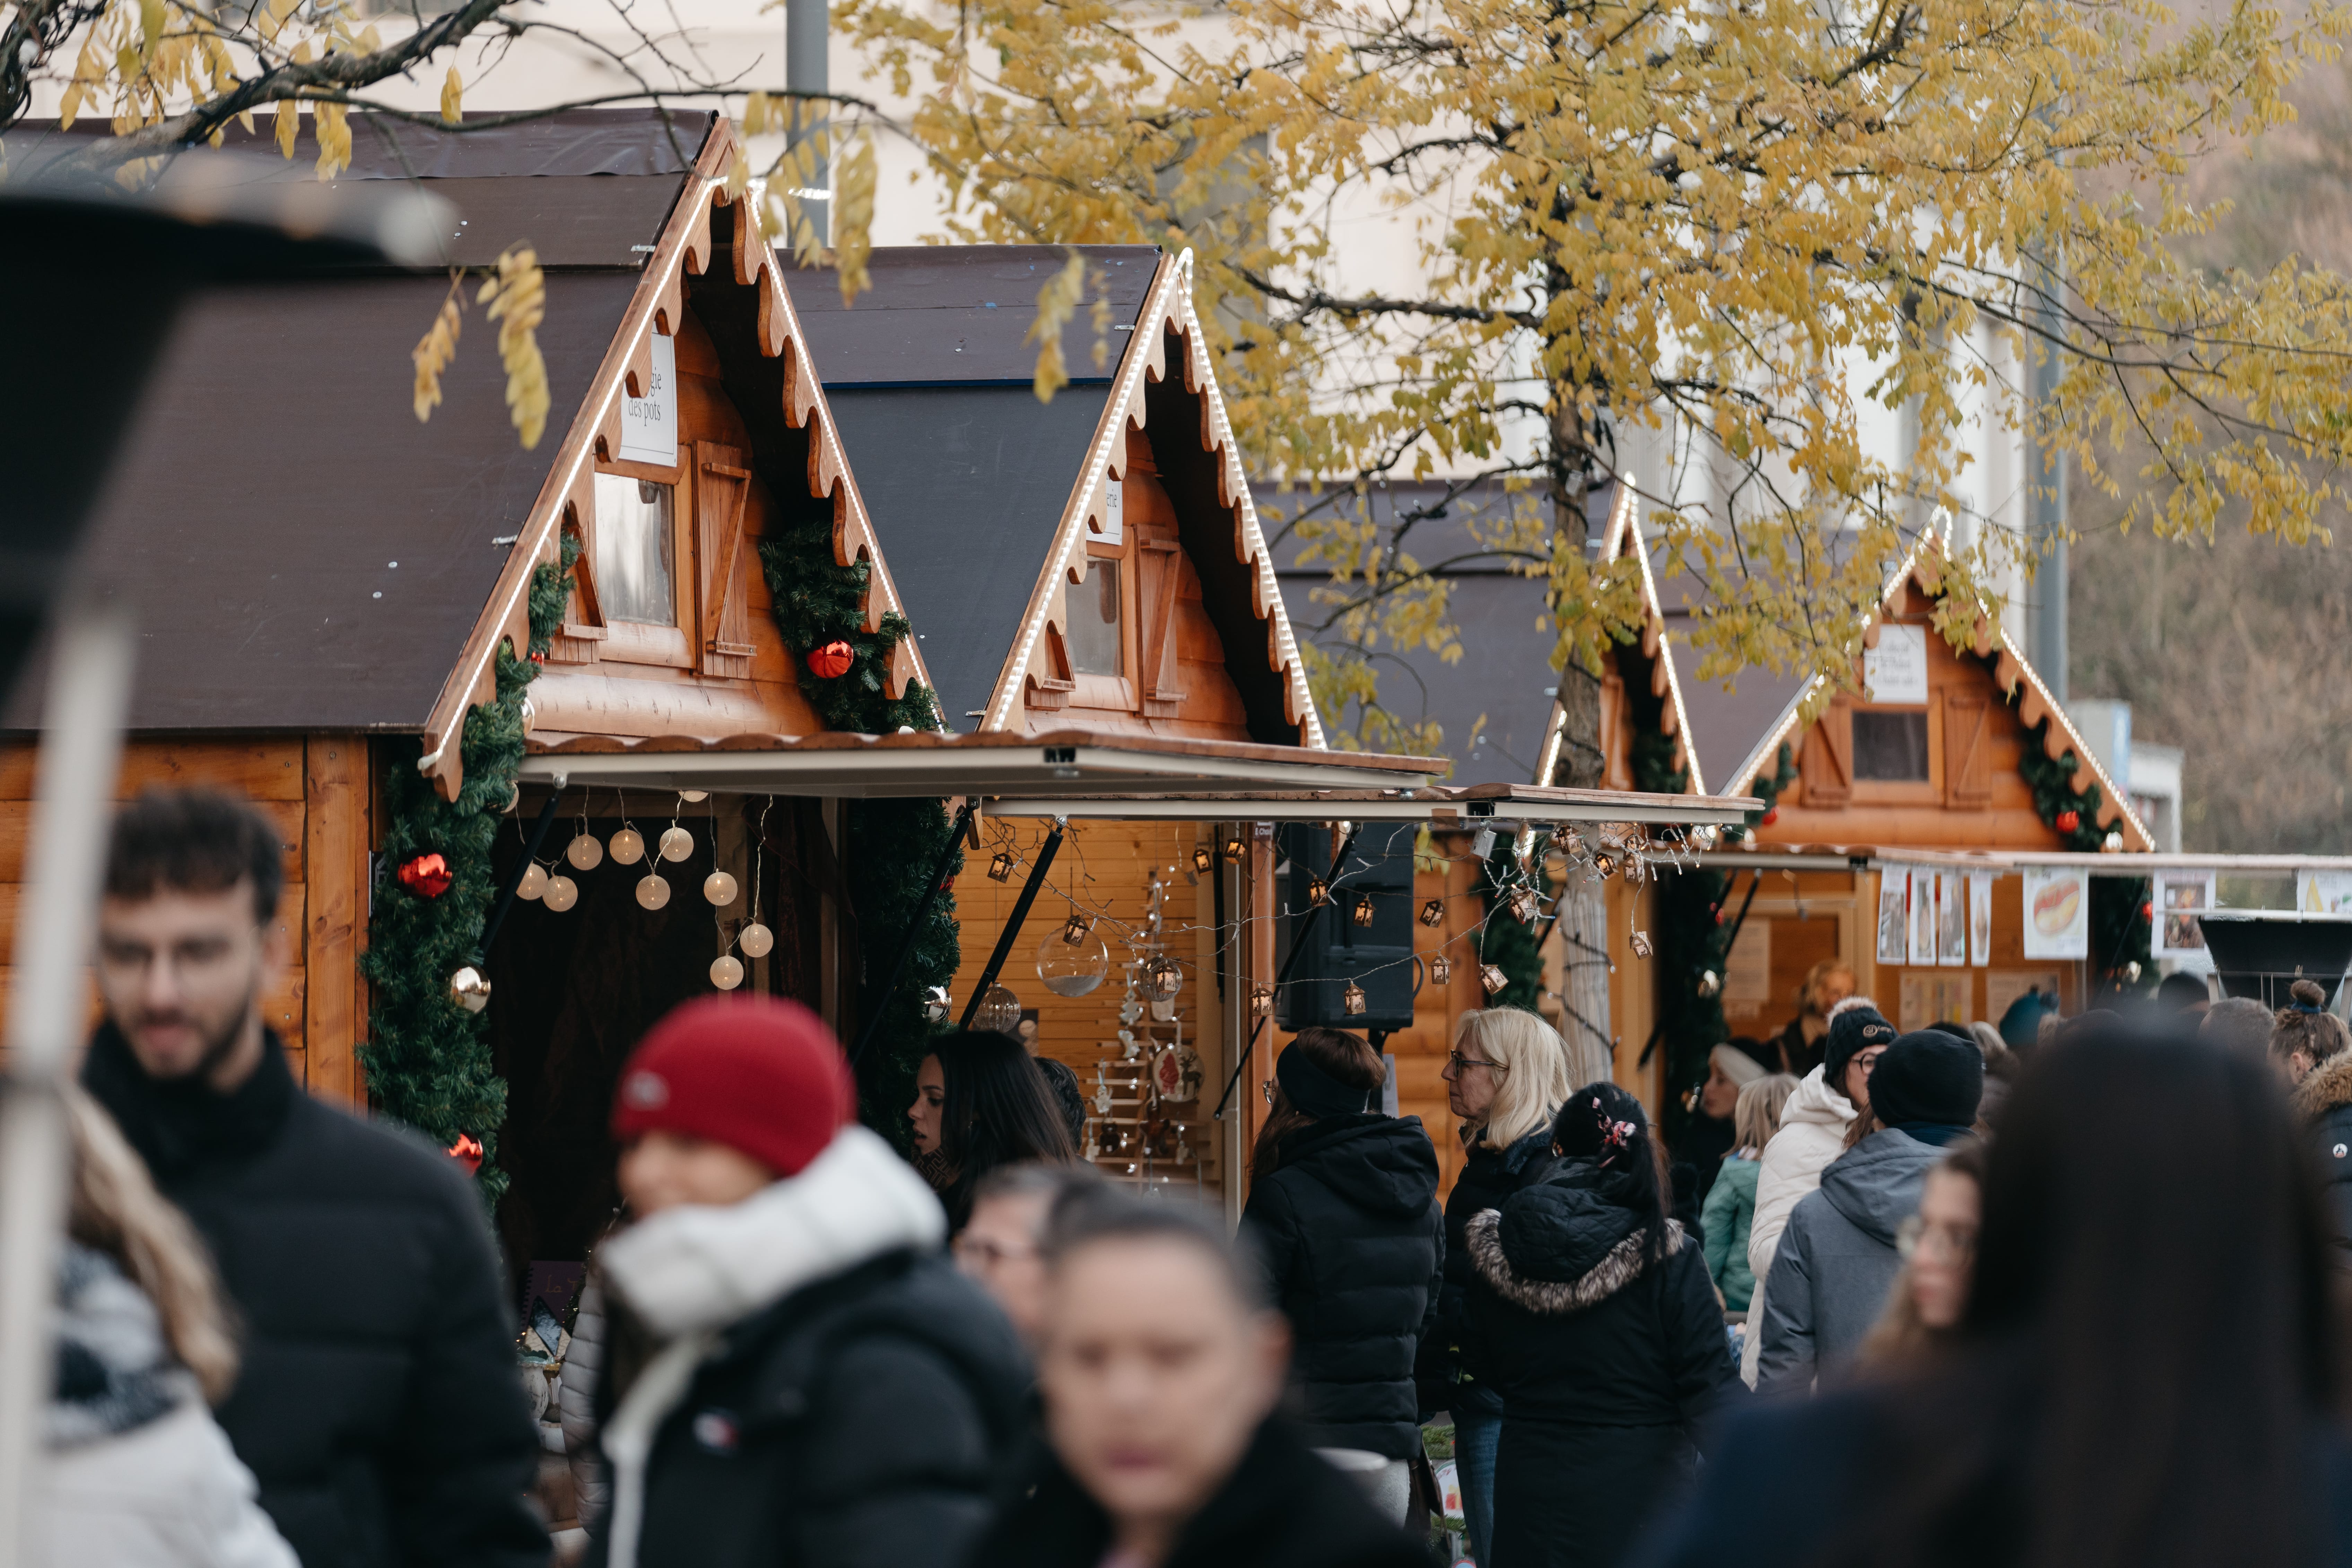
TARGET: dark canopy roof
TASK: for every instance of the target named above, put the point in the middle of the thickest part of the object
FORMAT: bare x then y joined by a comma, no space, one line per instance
304,555
964,473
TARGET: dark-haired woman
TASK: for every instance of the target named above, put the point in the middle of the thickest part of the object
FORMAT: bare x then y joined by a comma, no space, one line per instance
980,1102
1343,1209
2147,1369
1597,1321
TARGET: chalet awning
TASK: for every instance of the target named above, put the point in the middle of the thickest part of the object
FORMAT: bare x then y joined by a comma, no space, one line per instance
1055,766
1479,805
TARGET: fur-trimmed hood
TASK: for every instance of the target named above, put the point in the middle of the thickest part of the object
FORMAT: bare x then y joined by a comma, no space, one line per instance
1617,1267
2328,1088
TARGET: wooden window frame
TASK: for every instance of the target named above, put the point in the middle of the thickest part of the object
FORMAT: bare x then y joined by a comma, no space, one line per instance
1928,791
630,642
1111,692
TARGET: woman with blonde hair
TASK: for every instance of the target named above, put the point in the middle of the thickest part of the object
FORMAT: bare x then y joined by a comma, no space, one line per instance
1731,1201
139,1475
1509,1074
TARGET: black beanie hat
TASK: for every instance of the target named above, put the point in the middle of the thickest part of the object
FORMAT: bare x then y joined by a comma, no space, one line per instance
1927,1078
1852,1032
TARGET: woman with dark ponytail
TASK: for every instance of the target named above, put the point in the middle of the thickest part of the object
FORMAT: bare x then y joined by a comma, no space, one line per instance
980,1102
1599,1326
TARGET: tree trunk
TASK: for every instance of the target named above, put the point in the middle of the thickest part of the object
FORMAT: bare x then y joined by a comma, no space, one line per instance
1583,905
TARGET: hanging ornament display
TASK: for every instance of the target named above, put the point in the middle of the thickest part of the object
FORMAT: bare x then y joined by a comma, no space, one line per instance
1176,1073
1072,961
831,661
1641,944
727,972
1261,1003
1711,984
1352,1000
426,876
468,1151
652,891
1484,844
1570,843
1000,866
2068,820
1319,891
628,847
719,888
1204,858
1771,814
694,797
561,893
1432,912
1000,1012
1163,977
756,940
1076,930
2111,844
677,843
1704,837
1235,850
469,990
584,853
1492,977
533,881
1604,865
1524,907
1363,909
935,1001
1440,970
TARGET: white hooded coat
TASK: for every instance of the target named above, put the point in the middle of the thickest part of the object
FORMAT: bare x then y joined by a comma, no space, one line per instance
1812,1135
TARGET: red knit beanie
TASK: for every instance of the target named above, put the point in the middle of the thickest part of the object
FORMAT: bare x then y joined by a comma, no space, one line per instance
762,1076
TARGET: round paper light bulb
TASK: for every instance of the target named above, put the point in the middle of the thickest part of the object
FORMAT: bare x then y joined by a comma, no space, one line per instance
653,893
719,888
694,797
676,844
584,853
533,883
628,847
562,892
756,940
727,972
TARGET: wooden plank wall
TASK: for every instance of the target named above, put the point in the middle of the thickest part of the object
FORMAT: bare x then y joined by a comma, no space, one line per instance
314,790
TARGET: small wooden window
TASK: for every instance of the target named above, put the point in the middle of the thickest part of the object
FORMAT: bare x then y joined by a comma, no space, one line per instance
1890,747
636,565
1096,621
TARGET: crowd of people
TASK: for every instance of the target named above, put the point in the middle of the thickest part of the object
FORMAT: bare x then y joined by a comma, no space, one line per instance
1888,1297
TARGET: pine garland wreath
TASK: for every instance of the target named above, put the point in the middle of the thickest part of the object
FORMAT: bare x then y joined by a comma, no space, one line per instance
1691,934
2120,926
427,1059
1768,790
1502,940
893,843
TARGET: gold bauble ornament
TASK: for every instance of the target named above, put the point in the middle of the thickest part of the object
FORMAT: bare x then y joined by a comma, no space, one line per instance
584,853
677,843
653,893
727,972
562,892
719,888
533,883
755,940
469,990
628,847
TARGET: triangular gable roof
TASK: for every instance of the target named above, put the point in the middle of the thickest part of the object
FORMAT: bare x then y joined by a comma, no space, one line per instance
686,247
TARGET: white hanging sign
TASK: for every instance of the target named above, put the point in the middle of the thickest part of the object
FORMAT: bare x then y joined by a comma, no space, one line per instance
1979,920
1114,521
1897,669
649,424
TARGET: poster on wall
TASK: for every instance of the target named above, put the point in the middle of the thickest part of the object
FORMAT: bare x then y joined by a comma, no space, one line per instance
1923,918
2004,986
1980,918
1930,999
1952,920
2181,898
2057,912
1748,972
1894,916
2324,892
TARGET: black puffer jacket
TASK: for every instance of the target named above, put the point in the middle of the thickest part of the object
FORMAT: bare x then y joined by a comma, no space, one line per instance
1607,1362
1282,1508
378,1404
1449,1357
1354,1245
2324,1101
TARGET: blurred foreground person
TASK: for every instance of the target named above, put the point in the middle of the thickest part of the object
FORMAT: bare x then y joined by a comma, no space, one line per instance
980,1102
1731,1201
1003,1247
137,1473
1162,1368
378,1404
2148,1371
2184,994
1940,1258
1600,1328
1508,1076
2312,1047
1343,1215
2238,1024
796,1375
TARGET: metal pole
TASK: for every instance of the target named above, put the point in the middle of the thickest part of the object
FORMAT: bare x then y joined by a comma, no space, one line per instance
81,757
1298,946
808,44
1011,930
530,854
907,943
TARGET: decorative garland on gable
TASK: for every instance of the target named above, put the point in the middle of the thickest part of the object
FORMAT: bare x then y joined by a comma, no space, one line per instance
2121,926
426,1056
1768,790
893,843
1692,936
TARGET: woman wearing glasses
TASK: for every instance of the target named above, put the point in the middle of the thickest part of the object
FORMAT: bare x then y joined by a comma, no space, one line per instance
1939,1246
1508,1076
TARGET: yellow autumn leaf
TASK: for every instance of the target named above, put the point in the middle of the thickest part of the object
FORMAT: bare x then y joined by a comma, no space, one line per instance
517,297
757,113
289,121
433,351
453,96
1057,301
853,218
151,24
331,122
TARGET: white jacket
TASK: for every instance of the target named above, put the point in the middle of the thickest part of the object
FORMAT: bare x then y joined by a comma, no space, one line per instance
1812,1135
170,1493
575,1395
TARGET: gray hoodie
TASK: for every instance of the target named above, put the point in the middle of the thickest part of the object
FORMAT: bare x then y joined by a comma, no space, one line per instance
1837,1260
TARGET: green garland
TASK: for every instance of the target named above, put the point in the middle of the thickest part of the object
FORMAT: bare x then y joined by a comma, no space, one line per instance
1768,790
2120,928
427,1059
1690,936
893,843
1502,940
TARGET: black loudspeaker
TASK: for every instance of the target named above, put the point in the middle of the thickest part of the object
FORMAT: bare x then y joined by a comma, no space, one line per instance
2263,956
1377,957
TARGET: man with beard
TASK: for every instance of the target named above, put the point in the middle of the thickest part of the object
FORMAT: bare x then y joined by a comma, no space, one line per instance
378,1404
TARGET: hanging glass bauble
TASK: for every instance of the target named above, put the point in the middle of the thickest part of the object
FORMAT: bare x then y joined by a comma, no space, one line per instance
1000,1012
936,1003
584,853
677,843
1072,968
562,892
533,882
628,847
719,888
755,940
469,990
1163,977
727,972
652,891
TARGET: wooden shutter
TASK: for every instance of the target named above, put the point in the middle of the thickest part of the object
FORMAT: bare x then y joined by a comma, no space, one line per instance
1155,596
1968,776
583,614
722,489
1827,766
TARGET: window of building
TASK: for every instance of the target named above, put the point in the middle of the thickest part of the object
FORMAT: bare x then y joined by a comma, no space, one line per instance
1094,635
1890,748
634,549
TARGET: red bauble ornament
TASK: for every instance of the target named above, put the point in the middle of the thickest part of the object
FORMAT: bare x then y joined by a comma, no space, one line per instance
2069,820
833,661
427,876
539,658
2148,911
468,1151
1768,818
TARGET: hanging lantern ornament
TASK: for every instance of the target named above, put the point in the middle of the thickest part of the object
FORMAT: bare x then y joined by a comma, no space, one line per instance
533,883
628,847
1524,907
584,853
727,972
831,661
1163,977
756,941
426,876
1604,864
469,990
1000,1012
652,891
677,843
1352,1000
2069,820
719,888
1492,977
1433,911
1641,944
1319,891
936,1003
1234,849
1262,1002
1440,970
1363,909
562,892
1076,930
1204,858
1000,866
